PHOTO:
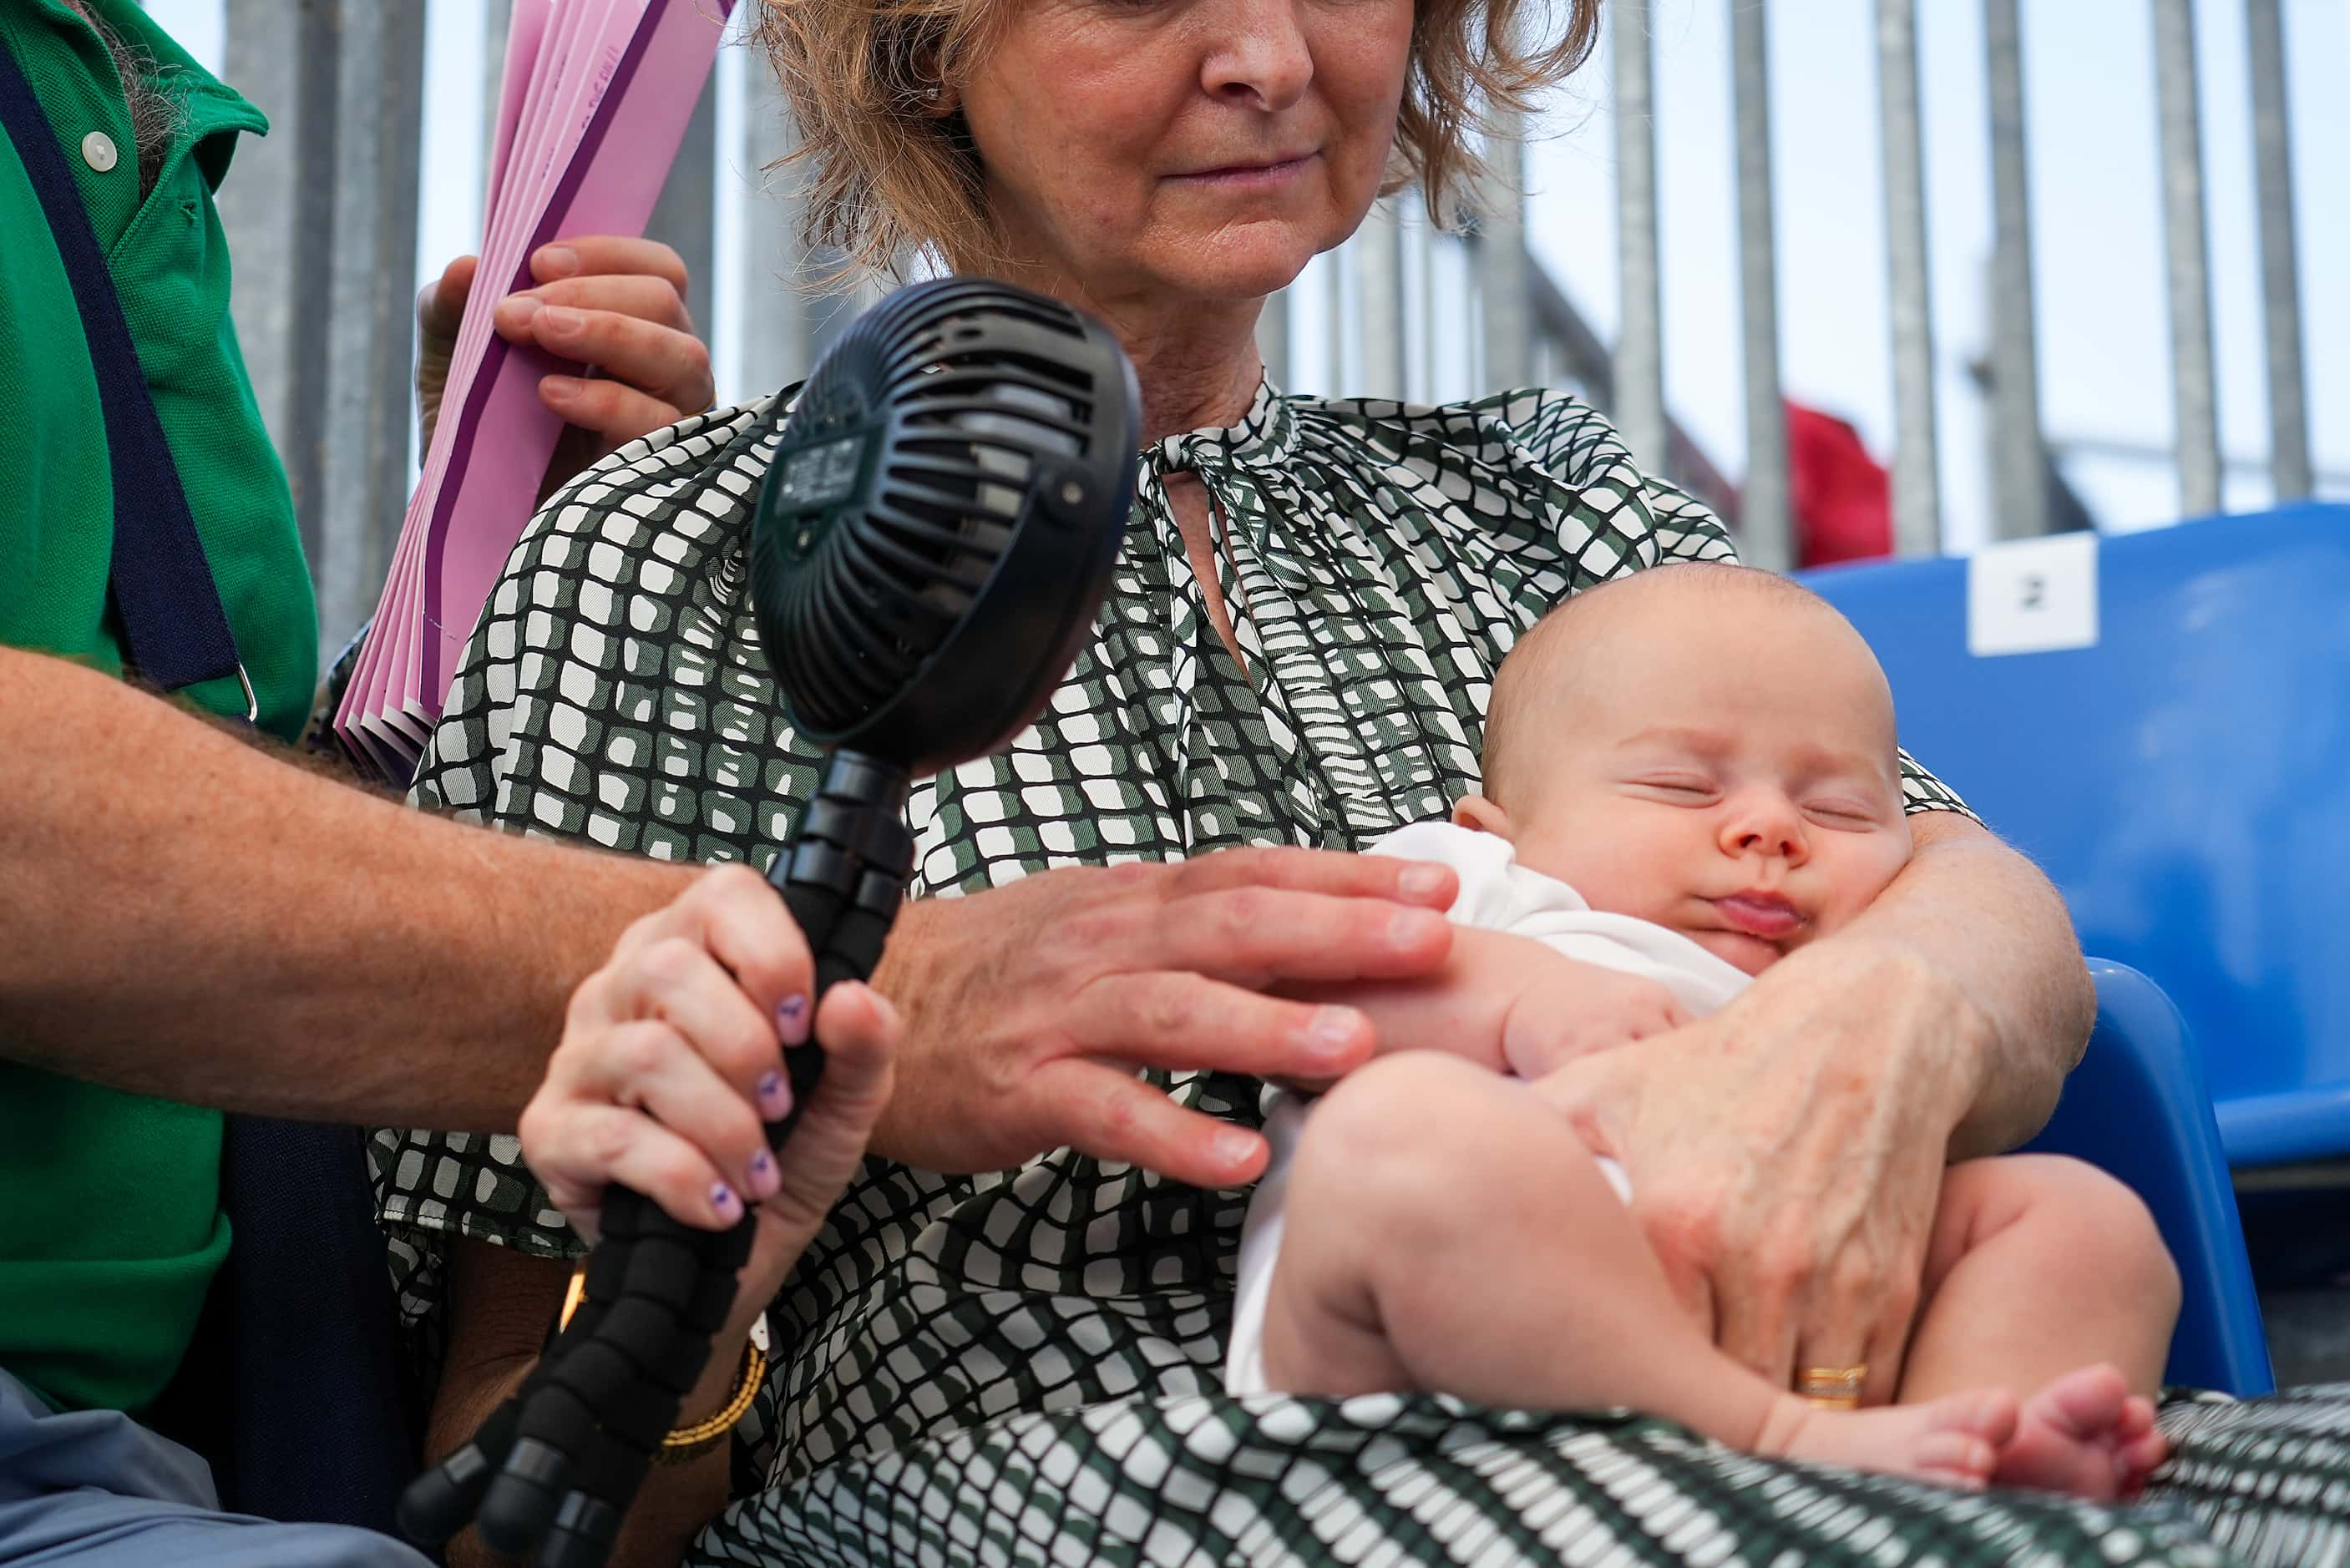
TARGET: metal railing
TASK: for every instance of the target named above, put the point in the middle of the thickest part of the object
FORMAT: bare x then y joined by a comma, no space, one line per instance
324,217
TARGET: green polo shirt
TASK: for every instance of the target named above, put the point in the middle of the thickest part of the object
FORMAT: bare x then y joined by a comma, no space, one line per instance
110,1229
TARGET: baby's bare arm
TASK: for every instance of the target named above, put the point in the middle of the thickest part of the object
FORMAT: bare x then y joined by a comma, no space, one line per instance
1462,1010
1511,1003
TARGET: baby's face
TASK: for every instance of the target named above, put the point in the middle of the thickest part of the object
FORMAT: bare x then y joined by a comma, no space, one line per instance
1729,774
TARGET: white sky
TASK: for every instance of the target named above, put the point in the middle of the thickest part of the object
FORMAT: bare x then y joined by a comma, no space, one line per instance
2089,77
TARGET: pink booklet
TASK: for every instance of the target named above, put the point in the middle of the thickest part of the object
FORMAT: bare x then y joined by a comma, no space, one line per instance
594,101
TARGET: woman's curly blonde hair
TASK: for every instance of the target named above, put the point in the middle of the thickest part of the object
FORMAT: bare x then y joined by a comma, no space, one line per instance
885,175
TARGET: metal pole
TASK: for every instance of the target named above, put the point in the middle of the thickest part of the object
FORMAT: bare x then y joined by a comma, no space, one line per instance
786,320
2019,460
497,21
1767,538
2279,273
1379,261
685,217
285,60
2188,268
1639,405
1499,256
1419,233
1346,287
369,329
1917,478
1272,338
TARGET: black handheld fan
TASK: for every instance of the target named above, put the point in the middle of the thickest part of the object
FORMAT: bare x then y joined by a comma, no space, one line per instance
934,540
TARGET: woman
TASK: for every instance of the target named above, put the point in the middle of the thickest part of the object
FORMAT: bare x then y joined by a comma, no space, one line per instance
1303,623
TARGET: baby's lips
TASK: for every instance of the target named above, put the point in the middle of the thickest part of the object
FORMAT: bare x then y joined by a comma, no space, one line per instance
1769,917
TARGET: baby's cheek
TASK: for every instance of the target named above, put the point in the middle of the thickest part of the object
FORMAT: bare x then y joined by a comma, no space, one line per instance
1858,878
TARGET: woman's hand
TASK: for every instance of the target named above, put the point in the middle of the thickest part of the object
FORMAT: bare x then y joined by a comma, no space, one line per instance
606,301
672,1059
1786,1154
1029,1007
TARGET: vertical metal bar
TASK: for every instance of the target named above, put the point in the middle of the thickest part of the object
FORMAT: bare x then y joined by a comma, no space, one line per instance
2280,271
788,319
2188,268
777,347
1639,404
1346,287
284,55
1916,476
1273,338
1379,247
685,217
1500,261
2019,459
497,20
369,328
1767,538
1419,233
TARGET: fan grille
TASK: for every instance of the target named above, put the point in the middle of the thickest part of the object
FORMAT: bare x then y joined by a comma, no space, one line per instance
939,424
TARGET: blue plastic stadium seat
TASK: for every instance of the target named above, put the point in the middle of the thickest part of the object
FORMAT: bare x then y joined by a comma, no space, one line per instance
2136,1108
2186,782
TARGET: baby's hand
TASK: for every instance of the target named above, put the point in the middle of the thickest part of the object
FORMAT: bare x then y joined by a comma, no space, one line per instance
1571,1009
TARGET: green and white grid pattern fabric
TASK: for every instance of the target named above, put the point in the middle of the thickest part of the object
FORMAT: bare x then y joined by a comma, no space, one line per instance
1022,1367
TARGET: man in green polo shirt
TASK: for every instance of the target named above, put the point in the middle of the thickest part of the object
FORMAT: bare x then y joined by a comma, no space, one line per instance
191,920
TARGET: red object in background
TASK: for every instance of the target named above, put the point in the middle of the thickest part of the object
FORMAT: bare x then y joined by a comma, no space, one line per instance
1842,497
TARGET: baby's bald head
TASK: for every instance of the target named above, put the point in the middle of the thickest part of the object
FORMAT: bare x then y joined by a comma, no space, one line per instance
1594,644
1704,747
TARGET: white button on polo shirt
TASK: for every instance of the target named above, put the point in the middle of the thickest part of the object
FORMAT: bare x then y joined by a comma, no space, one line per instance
97,150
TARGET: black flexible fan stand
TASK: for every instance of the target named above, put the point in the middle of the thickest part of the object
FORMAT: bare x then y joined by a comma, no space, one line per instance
554,1465
930,545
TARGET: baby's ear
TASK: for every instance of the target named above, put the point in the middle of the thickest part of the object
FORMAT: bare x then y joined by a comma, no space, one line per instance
1479,815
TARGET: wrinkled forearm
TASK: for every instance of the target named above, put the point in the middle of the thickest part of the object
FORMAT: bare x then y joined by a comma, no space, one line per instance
190,916
1982,918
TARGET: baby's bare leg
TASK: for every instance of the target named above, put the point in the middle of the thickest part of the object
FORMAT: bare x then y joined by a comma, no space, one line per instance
1448,1231
2039,1265
2047,1277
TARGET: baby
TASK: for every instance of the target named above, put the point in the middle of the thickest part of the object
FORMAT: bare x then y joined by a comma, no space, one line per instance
1690,772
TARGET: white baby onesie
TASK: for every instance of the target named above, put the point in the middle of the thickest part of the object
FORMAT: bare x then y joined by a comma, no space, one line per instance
1499,895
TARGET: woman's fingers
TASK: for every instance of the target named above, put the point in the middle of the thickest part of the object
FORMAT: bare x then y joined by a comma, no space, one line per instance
1870,1315
734,913
653,1066
579,255
647,298
612,414
580,1150
441,307
676,983
666,364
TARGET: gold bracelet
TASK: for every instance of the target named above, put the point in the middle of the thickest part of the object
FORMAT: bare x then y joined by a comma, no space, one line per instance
688,1444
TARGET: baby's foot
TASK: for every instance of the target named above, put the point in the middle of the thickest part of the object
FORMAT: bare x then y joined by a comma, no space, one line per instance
2086,1434
1955,1441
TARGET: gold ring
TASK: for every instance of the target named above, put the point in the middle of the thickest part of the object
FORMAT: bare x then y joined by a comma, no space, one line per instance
1832,1387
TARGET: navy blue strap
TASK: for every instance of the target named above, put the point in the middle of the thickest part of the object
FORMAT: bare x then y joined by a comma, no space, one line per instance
172,621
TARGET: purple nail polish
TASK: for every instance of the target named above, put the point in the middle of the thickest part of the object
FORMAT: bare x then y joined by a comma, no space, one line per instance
792,1020
764,1181
722,1197
775,1097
